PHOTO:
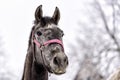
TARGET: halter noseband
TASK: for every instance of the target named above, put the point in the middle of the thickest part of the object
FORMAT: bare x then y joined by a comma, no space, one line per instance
48,42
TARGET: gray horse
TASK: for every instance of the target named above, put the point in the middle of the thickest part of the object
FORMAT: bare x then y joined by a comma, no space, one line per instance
45,50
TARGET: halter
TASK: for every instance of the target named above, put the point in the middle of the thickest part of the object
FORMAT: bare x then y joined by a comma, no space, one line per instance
49,42
44,44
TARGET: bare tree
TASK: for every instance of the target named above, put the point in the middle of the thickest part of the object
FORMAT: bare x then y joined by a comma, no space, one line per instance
100,40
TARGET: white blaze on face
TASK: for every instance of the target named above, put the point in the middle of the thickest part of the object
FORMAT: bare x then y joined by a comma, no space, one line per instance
51,26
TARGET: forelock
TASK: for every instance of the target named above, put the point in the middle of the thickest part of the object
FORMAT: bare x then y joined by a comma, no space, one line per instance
45,21
51,26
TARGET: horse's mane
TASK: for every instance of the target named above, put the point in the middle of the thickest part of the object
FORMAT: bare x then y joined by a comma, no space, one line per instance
30,37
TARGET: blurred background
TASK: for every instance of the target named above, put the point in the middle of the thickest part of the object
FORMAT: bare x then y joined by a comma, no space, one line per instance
92,36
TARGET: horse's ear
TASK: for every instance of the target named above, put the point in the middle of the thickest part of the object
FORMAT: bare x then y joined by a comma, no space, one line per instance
56,15
38,13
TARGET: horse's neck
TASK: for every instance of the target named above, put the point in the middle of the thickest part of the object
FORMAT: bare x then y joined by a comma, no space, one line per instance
33,71
39,72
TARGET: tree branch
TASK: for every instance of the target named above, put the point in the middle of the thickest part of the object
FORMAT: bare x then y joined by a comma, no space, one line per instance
102,14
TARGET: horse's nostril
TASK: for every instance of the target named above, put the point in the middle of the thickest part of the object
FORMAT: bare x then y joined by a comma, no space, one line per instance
60,61
66,60
56,61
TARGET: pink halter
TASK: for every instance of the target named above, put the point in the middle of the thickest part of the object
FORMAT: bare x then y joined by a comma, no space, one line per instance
48,42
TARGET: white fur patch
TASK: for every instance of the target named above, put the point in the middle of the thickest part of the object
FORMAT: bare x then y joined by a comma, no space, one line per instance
51,26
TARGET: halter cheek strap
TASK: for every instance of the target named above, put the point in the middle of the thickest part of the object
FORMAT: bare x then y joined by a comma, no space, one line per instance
37,43
49,42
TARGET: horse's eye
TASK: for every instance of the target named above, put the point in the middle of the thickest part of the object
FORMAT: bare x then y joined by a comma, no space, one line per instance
62,34
39,33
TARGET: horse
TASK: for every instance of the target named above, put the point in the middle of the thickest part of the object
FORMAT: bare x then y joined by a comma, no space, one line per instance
45,53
